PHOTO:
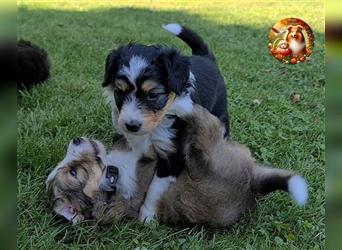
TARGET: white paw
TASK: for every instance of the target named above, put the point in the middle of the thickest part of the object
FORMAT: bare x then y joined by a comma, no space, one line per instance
146,215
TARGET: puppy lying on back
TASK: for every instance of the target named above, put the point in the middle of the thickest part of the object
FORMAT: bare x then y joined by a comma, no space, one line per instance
220,181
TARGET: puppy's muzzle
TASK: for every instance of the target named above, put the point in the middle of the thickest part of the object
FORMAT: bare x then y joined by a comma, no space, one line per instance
133,126
109,179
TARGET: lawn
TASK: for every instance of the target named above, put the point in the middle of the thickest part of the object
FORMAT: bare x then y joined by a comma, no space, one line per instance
78,36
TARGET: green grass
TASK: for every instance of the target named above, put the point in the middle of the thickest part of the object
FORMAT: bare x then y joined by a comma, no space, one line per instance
279,132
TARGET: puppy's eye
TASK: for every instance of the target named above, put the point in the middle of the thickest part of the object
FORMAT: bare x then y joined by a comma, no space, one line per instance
73,172
120,85
152,96
118,89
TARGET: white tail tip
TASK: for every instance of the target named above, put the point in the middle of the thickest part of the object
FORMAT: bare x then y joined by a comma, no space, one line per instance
298,189
173,28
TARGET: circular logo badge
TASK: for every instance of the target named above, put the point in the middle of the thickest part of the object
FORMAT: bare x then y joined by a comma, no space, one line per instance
291,40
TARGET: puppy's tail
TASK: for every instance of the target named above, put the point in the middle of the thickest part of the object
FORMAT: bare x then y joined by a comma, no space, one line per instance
191,38
267,179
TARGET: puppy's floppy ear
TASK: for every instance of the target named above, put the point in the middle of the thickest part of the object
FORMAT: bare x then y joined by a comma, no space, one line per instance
111,67
176,69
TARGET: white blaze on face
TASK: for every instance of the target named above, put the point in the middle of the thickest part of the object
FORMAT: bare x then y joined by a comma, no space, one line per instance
130,111
136,65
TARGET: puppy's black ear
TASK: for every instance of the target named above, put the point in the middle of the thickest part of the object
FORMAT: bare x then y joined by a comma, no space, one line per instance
176,69
111,67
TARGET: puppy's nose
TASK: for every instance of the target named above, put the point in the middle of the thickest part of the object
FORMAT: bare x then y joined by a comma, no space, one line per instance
77,141
133,126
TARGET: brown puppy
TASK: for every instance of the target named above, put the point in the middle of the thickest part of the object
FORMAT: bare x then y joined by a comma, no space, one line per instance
74,185
220,181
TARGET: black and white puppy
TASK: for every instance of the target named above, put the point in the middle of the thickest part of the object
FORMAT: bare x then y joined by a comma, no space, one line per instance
147,86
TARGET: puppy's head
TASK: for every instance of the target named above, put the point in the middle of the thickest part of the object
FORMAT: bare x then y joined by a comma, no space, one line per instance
283,44
73,183
295,33
144,81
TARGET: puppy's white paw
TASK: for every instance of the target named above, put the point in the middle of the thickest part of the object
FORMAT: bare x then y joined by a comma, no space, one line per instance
146,215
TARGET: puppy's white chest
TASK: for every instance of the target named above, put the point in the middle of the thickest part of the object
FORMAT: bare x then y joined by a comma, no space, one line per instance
296,46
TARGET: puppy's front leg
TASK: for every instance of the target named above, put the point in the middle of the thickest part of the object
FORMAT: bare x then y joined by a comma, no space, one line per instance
157,188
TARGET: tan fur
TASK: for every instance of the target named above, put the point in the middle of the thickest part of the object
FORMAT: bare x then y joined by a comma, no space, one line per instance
122,85
153,119
148,85
215,188
221,180
219,183
89,172
65,190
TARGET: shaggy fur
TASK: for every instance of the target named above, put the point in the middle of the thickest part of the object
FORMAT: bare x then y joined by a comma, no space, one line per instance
147,84
33,65
73,183
220,181
296,40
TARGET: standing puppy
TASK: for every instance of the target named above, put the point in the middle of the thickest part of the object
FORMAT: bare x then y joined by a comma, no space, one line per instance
147,85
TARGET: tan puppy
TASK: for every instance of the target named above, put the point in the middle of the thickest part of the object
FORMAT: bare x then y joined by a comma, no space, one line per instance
74,185
220,182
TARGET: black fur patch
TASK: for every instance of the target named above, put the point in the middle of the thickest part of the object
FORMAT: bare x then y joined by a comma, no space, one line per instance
175,162
33,66
168,68
274,183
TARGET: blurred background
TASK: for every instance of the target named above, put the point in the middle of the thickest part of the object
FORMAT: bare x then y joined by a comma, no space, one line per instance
334,124
7,125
